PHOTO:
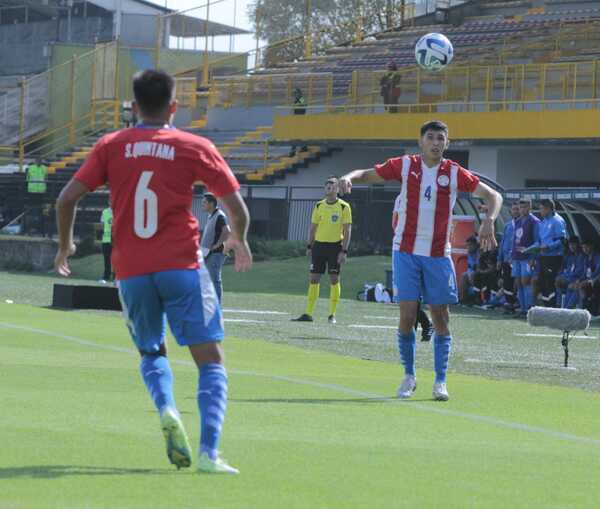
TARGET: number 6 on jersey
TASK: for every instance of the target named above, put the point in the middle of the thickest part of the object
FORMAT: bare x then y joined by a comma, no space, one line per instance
145,212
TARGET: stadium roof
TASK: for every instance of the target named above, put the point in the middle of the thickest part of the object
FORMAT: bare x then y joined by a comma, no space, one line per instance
181,25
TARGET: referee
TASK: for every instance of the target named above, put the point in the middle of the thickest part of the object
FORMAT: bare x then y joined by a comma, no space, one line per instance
329,237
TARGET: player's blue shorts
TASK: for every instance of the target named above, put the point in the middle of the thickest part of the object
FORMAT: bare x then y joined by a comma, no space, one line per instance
521,268
417,276
185,297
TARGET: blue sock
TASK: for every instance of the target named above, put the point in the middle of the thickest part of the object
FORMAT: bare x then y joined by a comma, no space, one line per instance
571,299
441,354
521,297
559,296
158,377
212,402
529,296
407,344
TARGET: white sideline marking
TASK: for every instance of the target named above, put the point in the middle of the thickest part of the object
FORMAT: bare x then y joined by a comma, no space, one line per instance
546,365
344,390
455,315
534,335
243,320
254,312
359,326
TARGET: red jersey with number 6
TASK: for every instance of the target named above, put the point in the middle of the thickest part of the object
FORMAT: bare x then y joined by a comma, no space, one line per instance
150,174
425,205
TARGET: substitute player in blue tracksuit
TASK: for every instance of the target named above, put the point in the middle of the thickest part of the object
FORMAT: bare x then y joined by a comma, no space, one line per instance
526,233
552,234
505,259
568,279
589,285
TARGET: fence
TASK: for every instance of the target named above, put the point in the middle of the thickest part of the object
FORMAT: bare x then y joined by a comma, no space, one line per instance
498,83
272,89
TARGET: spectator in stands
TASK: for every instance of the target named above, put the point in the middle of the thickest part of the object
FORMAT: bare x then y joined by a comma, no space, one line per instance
504,265
572,271
526,233
36,189
107,218
299,109
467,284
36,177
390,88
128,115
589,285
552,234
216,231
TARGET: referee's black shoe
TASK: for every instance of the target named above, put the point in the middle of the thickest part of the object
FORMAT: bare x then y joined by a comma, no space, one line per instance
303,318
427,333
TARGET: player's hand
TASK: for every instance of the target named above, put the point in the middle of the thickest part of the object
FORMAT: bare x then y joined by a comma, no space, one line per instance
499,266
241,251
341,258
487,238
61,264
308,251
345,185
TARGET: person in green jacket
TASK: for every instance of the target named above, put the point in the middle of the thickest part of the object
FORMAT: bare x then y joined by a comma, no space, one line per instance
107,218
36,177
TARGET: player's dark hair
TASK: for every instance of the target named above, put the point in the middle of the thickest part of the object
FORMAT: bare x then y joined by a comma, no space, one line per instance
434,125
546,202
210,198
153,91
525,201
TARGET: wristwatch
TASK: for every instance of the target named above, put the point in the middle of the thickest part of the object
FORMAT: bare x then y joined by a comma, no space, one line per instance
308,246
345,251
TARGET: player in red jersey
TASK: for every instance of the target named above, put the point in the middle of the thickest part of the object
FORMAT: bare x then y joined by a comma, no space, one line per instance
150,170
422,266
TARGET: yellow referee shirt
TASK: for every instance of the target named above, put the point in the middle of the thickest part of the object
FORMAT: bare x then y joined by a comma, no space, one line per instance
330,219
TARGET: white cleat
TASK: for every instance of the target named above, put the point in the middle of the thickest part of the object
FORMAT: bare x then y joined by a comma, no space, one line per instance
407,387
178,445
440,392
217,466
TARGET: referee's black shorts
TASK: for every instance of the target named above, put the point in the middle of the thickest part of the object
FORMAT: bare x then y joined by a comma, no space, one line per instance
325,256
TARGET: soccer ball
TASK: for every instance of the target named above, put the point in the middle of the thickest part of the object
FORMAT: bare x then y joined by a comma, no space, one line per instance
434,52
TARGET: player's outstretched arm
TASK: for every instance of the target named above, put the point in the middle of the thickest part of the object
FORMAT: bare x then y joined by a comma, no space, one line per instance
358,176
237,241
493,204
65,218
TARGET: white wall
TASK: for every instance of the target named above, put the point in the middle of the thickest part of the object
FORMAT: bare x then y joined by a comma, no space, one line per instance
484,160
571,165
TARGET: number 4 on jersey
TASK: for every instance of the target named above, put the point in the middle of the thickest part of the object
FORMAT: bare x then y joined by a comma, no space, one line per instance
145,212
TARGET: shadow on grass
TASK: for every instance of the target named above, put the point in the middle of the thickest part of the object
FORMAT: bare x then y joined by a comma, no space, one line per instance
56,471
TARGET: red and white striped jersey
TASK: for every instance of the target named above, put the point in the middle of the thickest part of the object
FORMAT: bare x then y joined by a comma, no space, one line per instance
426,202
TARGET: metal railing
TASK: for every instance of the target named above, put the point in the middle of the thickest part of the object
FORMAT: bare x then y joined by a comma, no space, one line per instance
271,89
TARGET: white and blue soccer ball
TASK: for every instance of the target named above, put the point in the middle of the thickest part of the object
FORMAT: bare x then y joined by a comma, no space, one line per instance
434,52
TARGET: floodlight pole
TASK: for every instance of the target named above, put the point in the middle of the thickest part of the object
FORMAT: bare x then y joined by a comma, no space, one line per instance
205,67
308,34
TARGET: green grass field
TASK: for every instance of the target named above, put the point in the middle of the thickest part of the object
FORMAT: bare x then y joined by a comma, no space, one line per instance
312,422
